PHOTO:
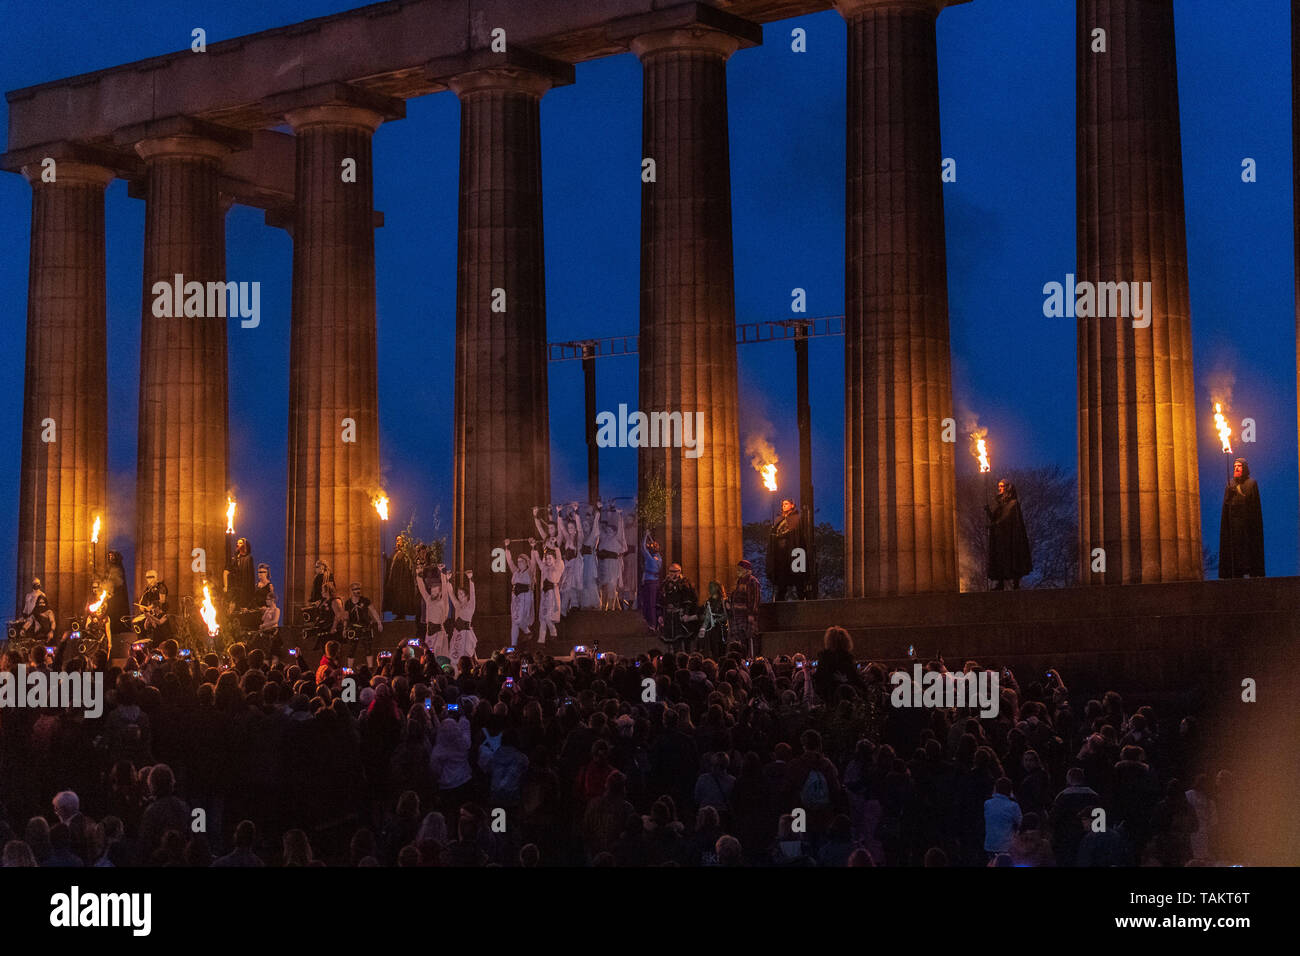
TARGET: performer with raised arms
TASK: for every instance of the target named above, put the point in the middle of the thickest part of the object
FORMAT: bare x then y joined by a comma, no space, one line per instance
521,593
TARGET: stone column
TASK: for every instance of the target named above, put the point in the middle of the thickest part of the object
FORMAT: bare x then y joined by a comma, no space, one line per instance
181,479
64,444
900,534
1295,182
501,418
334,471
688,329
1139,496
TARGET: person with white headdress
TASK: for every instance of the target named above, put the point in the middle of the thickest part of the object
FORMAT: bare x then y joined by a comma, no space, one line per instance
521,593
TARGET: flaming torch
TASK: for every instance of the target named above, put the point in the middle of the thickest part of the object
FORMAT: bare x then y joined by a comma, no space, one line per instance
94,608
94,544
209,613
230,528
380,501
980,449
764,458
1225,434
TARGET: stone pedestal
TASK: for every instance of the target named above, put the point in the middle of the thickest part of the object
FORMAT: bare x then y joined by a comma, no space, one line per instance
1139,495
64,427
899,480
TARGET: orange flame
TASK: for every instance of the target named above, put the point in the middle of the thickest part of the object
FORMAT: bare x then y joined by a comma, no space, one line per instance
769,476
209,613
94,531
94,608
380,501
1225,432
230,515
980,449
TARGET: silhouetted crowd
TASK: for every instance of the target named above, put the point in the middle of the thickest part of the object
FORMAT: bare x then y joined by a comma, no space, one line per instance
523,760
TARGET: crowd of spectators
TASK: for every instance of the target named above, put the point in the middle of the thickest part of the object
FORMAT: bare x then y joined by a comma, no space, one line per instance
661,760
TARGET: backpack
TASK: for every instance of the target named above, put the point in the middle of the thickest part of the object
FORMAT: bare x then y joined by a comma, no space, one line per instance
815,794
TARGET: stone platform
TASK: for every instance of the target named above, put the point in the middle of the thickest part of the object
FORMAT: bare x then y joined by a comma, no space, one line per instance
1151,637
1167,639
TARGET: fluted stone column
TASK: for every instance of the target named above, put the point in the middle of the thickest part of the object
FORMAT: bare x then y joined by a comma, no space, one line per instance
334,470
1295,184
688,329
181,479
62,481
502,425
1139,496
899,479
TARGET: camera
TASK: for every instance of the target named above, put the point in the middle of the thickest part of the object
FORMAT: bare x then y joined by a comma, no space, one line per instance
453,708
510,683
385,655
49,649
186,653
509,650
580,649
293,652
428,703
413,642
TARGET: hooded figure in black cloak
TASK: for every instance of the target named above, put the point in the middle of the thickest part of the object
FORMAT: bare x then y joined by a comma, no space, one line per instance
1009,555
788,532
399,584
1241,526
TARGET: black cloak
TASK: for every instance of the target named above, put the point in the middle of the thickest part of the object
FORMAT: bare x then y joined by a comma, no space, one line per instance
400,597
1009,555
1241,528
787,534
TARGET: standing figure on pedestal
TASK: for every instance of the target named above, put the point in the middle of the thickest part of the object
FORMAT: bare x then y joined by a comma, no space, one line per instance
464,643
238,580
552,570
591,535
745,597
521,594
330,618
1009,555
570,541
400,596
609,557
653,563
437,607
1241,526
786,535
678,620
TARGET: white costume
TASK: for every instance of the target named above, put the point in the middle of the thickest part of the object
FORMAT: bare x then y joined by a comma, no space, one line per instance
571,583
590,591
464,643
552,571
436,609
521,599
609,560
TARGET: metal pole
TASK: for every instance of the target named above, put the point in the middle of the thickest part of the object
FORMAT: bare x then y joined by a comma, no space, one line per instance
805,454
593,457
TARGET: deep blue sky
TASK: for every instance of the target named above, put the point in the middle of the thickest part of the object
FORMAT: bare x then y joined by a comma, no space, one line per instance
1007,93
